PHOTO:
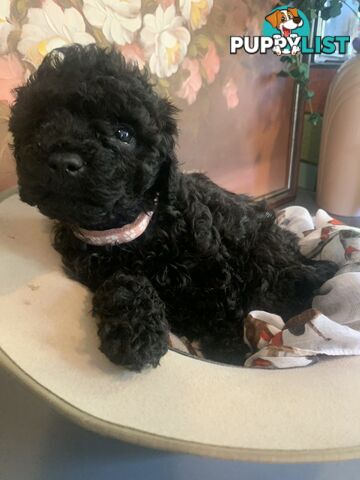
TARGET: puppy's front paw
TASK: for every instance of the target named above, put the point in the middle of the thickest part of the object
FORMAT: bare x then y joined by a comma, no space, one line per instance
133,329
133,352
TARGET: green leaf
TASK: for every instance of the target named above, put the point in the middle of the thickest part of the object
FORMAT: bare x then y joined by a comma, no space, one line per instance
100,37
220,40
326,13
332,11
294,73
19,9
304,68
335,8
313,13
303,84
163,82
286,59
315,118
193,51
148,3
202,41
309,94
283,73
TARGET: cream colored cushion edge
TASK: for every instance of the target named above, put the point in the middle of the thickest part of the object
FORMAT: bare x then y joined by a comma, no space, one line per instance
186,405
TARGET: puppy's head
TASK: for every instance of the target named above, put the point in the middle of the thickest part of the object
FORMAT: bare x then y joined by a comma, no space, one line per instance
285,20
93,142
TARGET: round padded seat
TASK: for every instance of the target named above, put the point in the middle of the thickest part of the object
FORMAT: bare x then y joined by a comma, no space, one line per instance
48,340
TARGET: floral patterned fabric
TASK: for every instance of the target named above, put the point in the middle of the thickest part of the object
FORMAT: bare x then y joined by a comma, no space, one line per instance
332,327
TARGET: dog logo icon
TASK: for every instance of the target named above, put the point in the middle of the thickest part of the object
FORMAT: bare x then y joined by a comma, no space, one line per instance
287,26
286,31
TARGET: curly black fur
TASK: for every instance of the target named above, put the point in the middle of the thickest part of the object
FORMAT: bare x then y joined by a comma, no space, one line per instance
207,257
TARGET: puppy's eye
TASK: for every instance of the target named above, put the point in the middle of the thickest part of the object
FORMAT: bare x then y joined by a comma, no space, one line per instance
124,134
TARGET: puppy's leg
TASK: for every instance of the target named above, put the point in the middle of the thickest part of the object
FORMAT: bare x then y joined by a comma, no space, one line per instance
294,288
132,324
224,340
230,348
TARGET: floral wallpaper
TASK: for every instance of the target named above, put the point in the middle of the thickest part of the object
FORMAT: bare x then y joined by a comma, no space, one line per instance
183,43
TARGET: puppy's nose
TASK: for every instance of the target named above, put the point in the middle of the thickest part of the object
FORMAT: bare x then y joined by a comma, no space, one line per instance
297,20
66,163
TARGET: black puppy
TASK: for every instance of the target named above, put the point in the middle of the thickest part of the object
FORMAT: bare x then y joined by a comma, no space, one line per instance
160,249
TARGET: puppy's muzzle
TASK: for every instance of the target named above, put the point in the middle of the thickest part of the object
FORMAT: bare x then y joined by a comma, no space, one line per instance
297,20
66,164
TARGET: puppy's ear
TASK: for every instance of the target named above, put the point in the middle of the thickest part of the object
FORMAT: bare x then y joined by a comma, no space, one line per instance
168,125
167,179
274,18
293,11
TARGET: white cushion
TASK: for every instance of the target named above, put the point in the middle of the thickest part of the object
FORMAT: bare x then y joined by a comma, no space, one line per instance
48,340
